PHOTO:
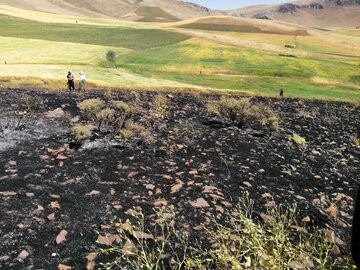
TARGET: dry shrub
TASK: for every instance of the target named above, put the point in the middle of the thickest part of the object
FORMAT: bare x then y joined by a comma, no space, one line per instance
26,110
134,129
108,118
90,107
125,108
82,132
241,112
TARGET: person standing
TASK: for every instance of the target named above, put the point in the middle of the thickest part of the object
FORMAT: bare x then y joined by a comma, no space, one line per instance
71,81
82,80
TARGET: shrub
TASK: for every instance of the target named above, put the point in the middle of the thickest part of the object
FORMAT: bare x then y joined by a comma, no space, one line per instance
82,132
126,109
126,134
105,117
298,140
133,129
111,56
108,119
240,112
273,124
90,107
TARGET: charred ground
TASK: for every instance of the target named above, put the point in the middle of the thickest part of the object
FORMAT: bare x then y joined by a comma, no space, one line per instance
91,188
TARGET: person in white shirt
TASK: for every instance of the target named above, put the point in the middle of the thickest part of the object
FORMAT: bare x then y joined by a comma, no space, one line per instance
82,80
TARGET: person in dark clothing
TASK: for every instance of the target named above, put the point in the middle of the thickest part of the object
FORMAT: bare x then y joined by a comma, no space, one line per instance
71,81
281,93
355,245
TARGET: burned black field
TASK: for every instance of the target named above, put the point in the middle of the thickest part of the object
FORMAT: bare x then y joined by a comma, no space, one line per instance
196,166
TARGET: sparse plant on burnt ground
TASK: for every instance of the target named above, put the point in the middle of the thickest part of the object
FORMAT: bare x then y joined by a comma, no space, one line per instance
242,112
21,114
296,138
161,105
356,140
187,131
132,129
273,240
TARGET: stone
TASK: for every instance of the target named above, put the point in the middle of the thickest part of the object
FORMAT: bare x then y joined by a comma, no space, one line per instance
22,255
55,114
61,237
199,203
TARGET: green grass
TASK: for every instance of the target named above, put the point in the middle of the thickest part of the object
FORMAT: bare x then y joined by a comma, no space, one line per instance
157,59
154,14
226,67
239,28
125,37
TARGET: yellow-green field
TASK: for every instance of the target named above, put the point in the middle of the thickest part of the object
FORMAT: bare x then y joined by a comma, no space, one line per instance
212,54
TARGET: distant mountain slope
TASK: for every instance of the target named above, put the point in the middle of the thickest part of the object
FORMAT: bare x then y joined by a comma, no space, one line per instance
135,10
316,13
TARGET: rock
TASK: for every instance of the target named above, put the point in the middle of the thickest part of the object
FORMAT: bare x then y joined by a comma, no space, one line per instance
267,196
266,218
8,193
330,236
199,203
128,247
12,163
177,187
51,216
126,227
91,261
61,237
93,193
64,267
4,258
143,235
247,184
160,203
306,219
55,114
108,240
22,255
226,204
61,157
149,186
55,205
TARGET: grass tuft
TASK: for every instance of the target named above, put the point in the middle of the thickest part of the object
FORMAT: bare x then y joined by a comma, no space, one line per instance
272,241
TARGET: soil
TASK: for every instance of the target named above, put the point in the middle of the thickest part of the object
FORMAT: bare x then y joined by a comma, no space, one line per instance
90,188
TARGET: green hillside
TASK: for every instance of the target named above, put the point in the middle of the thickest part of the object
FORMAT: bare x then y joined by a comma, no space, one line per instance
157,57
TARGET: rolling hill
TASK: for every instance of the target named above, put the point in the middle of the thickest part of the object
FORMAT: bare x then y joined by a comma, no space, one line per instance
134,10
315,13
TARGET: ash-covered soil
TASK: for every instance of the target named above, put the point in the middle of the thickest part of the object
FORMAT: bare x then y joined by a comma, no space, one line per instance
46,186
